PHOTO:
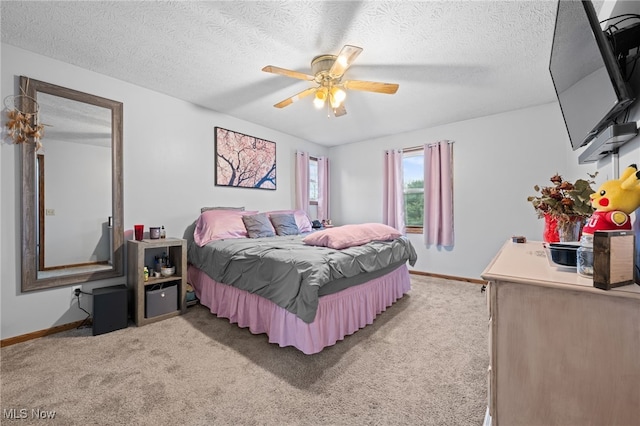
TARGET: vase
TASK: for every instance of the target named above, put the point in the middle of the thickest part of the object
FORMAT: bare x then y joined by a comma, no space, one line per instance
563,231
570,230
550,233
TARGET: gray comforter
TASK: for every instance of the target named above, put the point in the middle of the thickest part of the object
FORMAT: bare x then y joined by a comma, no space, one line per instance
288,272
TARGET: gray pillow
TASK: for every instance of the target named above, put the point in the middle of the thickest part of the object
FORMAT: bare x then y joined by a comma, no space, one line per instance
204,209
284,224
258,225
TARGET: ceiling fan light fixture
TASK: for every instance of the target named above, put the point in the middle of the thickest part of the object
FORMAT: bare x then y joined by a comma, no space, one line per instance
338,94
320,98
327,73
321,94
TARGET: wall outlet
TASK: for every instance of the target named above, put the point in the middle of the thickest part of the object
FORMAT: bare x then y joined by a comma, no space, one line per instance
74,288
50,212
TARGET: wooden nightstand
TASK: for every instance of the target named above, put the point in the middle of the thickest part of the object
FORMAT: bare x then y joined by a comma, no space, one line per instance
141,254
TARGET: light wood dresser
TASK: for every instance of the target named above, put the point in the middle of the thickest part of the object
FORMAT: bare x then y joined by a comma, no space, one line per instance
562,352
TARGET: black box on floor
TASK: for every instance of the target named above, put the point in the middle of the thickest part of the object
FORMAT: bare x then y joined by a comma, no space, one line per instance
109,309
161,301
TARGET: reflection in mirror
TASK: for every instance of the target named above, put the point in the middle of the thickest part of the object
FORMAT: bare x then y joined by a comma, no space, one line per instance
70,206
72,189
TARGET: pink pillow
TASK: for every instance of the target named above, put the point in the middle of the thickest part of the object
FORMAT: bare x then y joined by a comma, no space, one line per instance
302,220
220,224
345,236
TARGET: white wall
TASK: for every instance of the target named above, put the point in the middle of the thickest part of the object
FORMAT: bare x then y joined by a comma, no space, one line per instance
497,161
168,176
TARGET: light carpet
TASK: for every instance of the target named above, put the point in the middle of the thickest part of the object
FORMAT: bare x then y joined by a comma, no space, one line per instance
422,362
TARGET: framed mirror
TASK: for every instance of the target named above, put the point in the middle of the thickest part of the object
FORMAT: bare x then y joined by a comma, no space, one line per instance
72,209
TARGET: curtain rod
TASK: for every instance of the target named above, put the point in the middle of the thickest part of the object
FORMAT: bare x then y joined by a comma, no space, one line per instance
417,148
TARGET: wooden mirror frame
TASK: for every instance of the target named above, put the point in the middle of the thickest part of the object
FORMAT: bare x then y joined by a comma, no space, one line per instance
30,280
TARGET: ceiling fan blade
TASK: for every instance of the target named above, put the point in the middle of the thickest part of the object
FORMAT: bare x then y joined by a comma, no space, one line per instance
340,111
296,97
344,60
287,73
371,86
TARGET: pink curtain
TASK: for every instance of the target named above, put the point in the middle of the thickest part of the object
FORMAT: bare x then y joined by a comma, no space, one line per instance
323,188
393,197
302,181
438,194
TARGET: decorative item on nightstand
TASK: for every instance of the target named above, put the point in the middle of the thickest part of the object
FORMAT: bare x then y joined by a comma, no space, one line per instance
138,232
154,233
167,271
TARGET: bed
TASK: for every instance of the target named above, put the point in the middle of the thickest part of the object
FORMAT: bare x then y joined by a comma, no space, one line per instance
301,287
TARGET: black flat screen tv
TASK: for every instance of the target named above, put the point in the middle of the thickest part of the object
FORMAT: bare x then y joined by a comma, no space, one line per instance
588,82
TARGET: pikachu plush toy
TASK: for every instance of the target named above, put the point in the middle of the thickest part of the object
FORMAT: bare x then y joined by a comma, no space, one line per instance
614,201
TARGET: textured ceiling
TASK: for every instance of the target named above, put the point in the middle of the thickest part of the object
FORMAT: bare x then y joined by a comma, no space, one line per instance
453,60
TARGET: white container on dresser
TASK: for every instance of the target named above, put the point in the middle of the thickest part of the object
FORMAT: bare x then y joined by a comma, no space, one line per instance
562,352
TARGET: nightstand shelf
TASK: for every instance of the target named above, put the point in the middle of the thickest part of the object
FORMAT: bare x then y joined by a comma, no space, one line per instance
141,254
154,280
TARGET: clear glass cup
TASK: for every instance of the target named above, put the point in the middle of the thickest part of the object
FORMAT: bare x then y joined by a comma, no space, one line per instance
585,256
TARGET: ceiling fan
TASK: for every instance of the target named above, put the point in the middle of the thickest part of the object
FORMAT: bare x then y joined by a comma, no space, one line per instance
327,72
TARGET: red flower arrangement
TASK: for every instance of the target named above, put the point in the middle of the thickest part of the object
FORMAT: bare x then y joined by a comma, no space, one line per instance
563,204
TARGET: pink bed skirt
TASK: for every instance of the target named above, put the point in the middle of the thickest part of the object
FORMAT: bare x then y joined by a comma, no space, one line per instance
338,315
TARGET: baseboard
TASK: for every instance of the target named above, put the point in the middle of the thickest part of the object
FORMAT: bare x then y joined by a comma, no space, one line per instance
449,277
64,327
41,333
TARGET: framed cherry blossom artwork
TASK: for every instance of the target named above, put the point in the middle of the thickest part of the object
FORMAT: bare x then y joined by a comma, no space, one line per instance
244,161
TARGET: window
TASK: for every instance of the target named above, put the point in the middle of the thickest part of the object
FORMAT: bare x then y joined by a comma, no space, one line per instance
313,180
413,188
